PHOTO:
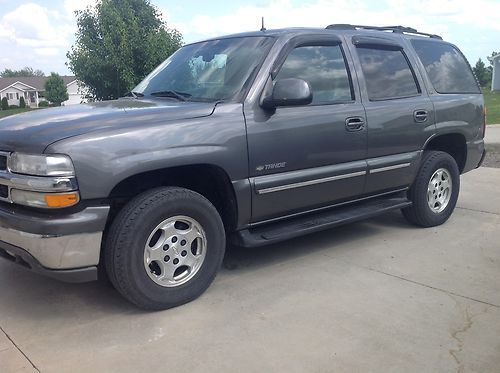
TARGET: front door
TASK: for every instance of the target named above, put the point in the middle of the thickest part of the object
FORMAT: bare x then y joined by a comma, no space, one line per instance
307,157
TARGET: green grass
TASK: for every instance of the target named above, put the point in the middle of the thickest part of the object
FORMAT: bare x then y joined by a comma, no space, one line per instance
492,101
6,113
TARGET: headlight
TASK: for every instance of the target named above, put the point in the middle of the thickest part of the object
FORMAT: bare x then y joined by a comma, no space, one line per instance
41,165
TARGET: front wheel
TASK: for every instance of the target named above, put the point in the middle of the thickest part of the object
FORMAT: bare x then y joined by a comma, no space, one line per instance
165,247
435,191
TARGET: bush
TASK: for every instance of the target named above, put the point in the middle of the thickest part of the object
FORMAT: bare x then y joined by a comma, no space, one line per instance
43,104
13,106
5,104
22,103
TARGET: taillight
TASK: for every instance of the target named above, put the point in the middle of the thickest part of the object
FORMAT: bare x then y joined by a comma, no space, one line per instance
484,121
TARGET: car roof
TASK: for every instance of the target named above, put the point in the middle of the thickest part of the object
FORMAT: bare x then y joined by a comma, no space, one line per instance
391,32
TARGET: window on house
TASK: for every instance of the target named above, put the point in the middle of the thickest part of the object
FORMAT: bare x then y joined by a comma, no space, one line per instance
17,95
387,74
324,68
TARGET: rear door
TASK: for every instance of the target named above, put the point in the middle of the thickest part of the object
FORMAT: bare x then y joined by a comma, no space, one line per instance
307,157
400,115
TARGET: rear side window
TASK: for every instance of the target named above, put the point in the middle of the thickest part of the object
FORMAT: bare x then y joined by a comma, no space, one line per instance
388,74
324,68
446,67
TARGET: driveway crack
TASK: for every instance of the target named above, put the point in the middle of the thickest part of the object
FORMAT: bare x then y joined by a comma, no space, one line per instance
455,334
432,287
483,211
19,349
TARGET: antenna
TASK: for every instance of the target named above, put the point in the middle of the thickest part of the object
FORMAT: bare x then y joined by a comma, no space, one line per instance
262,28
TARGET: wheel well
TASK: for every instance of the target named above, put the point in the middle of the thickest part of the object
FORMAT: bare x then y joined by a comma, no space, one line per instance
210,181
453,144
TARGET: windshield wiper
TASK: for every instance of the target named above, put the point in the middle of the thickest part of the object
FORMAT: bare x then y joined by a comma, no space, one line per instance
181,96
133,94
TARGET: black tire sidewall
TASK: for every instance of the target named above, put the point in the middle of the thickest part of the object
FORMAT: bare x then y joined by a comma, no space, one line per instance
131,274
432,162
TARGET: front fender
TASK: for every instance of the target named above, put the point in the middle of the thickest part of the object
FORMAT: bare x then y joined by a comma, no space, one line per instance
103,159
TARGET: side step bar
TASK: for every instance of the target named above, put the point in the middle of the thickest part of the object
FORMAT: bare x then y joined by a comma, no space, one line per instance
299,226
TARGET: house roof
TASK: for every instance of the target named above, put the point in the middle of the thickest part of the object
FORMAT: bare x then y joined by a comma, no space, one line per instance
495,57
37,82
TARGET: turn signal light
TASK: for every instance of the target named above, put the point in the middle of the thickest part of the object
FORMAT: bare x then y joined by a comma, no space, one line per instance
61,200
44,200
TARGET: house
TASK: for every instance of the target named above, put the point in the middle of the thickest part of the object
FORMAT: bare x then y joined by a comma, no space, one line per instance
32,88
495,81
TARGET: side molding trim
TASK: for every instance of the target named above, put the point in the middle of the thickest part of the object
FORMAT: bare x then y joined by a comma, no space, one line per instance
389,168
310,182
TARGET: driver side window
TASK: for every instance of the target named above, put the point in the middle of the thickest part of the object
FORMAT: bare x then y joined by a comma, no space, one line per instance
324,68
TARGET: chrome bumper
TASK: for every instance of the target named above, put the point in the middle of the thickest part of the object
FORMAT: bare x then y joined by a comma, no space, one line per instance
66,247
57,252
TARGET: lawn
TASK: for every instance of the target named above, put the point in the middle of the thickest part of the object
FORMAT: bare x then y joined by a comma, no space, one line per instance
6,113
492,100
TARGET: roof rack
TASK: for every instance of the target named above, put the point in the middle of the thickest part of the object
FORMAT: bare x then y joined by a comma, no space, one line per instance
397,29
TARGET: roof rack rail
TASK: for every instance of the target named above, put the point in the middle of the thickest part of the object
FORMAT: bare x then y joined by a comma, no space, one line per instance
397,29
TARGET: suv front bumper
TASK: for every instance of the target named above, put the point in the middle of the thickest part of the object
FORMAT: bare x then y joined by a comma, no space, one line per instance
65,247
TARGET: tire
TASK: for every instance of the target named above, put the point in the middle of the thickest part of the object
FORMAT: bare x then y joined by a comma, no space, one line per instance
421,212
165,222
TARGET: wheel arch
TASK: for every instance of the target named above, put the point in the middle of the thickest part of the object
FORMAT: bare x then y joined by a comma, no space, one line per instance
209,180
452,143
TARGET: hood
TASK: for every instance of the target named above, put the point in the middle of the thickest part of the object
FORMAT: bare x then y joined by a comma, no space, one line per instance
33,131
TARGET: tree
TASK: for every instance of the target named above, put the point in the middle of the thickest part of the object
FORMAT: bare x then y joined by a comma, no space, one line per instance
5,104
483,74
118,43
22,103
55,89
493,54
27,71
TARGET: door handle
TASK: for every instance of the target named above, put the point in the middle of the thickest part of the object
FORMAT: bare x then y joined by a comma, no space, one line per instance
353,124
420,116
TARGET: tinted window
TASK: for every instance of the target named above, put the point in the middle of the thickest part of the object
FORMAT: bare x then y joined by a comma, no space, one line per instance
323,67
387,74
446,67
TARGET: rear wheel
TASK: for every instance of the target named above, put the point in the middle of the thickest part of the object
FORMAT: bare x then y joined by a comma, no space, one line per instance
435,191
165,247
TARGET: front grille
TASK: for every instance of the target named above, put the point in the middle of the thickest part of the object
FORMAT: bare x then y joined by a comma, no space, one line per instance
4,191
3,162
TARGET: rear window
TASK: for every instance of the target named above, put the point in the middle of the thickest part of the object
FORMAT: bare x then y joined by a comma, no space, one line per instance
387,74
446,67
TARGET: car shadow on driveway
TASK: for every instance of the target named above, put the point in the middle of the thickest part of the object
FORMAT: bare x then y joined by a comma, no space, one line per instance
326,242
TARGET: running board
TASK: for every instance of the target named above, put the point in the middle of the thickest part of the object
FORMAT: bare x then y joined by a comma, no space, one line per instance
299,226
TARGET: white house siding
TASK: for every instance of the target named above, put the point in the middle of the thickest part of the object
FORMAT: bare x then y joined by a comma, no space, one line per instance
75,97
495,83
14,95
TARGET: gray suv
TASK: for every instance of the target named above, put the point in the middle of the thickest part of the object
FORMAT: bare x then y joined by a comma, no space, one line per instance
250,139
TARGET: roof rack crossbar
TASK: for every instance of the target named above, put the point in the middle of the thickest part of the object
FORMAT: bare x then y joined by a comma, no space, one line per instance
397,29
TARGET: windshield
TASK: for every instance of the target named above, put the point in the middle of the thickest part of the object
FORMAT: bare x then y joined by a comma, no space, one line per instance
209,71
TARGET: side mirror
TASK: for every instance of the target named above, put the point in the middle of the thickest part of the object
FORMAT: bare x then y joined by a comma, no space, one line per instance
289,92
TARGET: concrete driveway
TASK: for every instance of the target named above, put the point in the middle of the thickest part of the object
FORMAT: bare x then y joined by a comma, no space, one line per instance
378,296
492,134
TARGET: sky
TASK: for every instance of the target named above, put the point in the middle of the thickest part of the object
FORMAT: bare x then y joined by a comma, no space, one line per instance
39,33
